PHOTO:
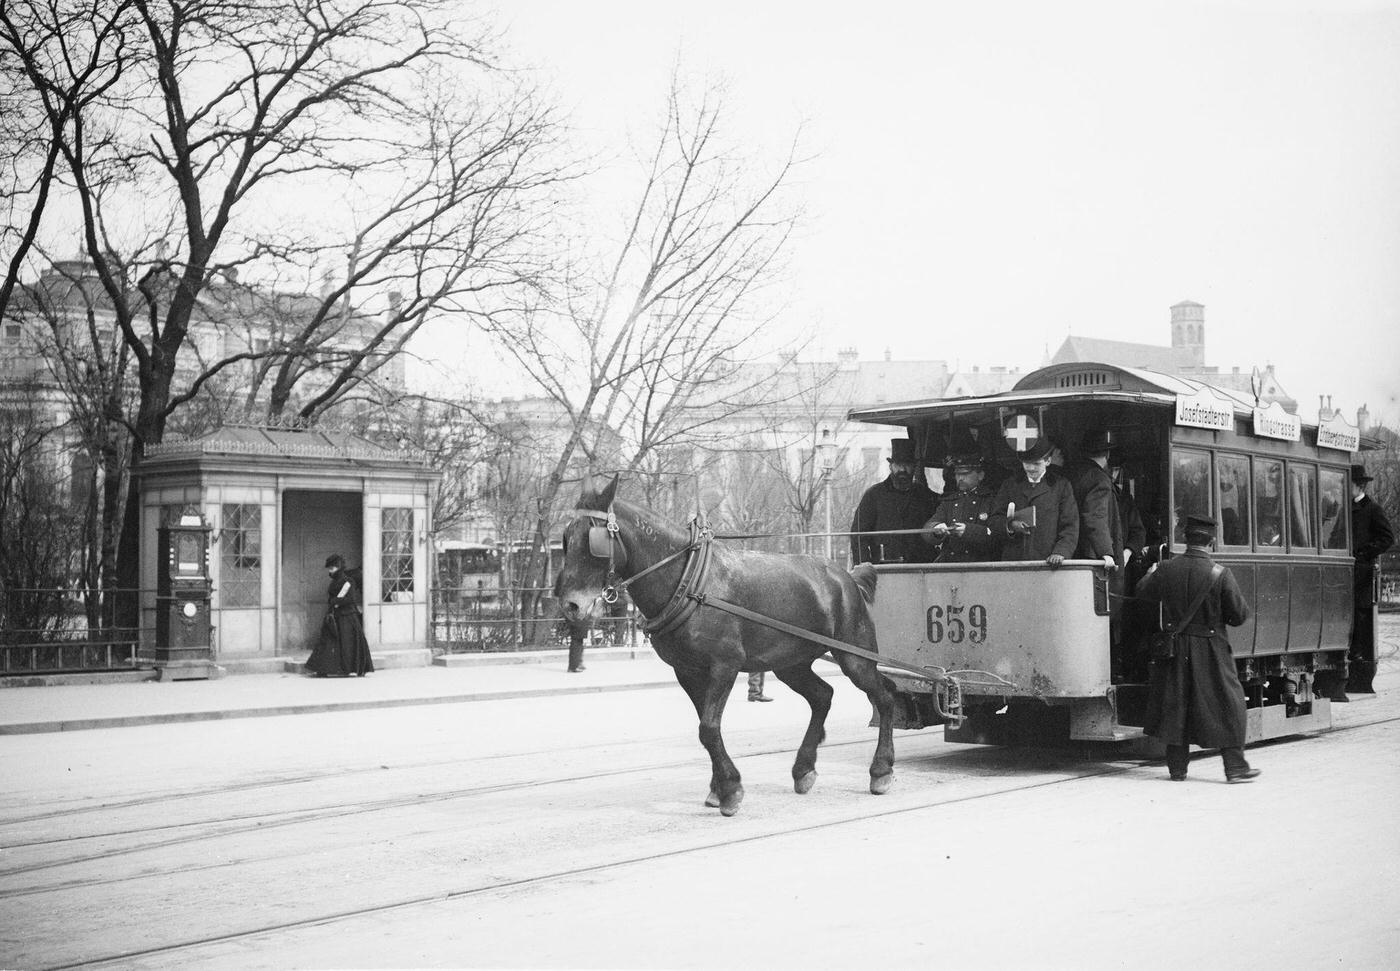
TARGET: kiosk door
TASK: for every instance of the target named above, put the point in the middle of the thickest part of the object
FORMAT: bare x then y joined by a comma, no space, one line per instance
314,525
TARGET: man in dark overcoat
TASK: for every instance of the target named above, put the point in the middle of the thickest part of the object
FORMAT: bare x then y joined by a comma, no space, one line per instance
1100,527
1056,531
1371,536
902,500
1195,698
958,529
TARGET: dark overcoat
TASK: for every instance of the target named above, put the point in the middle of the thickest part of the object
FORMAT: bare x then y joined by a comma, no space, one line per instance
1371,536
1100,525
342,649
885,507
974,509
1056,517
1196,697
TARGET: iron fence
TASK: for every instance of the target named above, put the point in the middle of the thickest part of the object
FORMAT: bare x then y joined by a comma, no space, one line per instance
54,630
490,619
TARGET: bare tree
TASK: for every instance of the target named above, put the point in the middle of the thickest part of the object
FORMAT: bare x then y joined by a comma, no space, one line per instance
642,344
198,138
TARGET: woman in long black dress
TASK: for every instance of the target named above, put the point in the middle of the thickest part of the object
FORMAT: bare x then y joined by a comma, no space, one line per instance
342,650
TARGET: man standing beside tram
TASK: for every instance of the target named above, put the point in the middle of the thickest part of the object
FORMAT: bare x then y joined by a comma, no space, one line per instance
958,529
902,500
1371,535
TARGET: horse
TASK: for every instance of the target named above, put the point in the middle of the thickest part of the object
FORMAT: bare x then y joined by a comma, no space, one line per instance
700,598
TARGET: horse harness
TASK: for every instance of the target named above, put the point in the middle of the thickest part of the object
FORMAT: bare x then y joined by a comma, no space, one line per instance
605,542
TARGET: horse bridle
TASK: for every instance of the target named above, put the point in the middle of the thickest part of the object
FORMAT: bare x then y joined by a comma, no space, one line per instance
605,543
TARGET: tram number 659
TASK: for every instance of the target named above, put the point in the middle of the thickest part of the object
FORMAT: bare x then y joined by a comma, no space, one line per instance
948,622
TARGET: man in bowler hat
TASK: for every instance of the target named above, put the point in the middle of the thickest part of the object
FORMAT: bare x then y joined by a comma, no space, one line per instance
902,500
1100,526
1371,536
1055,533
1195,697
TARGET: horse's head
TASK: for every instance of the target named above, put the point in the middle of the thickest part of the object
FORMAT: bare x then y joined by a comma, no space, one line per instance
591,550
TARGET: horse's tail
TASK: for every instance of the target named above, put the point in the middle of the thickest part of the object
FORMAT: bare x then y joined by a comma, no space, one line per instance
865,577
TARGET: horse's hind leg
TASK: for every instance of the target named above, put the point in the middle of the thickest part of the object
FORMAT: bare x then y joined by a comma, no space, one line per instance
806,682
880,691
709,692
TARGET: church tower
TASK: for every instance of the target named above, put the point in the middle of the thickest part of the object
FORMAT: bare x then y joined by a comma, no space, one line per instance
1189,332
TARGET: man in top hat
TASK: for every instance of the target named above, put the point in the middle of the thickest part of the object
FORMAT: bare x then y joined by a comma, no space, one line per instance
902,500
1371,536
1100,523
959,527
1055,533
1195,697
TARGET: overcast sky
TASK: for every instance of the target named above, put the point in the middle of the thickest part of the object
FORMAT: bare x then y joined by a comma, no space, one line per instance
992,176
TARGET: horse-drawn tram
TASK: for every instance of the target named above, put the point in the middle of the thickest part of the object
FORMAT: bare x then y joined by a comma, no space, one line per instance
1037,651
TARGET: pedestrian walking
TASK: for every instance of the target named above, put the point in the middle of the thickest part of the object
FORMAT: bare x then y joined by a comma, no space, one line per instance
342,649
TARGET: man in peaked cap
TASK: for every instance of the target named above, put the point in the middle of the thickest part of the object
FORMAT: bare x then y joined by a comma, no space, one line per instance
1195,697
1055,532
959,527
1371,536
902,500
1100,525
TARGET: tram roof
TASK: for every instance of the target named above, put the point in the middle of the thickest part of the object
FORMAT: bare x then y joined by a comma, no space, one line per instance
1063,382
1075,381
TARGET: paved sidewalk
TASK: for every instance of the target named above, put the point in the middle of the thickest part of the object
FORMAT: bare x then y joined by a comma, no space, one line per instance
59,708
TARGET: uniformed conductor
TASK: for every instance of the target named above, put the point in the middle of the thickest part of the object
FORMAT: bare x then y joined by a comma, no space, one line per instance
959,527
1196,696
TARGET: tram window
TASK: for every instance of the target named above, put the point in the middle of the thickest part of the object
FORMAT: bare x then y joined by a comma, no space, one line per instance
1336,506
1233,471
1302,505
1190,488
1268,502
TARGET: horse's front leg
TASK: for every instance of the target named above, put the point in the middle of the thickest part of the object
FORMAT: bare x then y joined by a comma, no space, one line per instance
809,685
880,690
725,791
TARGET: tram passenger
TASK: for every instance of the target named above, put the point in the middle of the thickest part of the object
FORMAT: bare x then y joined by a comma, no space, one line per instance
1195,697
958,529
902,500
1100,526
1371,536
1056,530
1134,529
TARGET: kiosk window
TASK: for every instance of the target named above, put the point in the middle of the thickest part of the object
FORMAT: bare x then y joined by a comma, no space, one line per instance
240,556
1336,506
1302,505
1268,502
1190,488
1234,499
396,563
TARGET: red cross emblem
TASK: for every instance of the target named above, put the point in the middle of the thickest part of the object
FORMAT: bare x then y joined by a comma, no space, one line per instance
1021,432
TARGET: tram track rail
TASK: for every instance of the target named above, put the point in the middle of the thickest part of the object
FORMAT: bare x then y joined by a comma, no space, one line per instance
482,888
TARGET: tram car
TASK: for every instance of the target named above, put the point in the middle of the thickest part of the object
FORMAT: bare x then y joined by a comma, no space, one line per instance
469,573
1040,652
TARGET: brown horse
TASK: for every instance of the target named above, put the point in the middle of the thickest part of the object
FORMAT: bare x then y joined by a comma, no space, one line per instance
670,573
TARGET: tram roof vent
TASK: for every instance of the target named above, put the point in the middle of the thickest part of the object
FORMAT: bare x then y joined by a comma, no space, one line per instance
1087,379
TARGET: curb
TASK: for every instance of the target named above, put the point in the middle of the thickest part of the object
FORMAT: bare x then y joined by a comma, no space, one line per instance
134,721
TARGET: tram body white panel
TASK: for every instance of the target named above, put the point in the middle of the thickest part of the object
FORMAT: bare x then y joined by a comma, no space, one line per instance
1042,630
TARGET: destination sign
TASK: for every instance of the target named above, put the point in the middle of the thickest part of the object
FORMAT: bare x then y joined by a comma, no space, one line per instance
1274,422
1336,432
1205,410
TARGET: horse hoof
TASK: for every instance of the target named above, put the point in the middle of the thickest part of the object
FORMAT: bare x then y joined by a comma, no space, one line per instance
804,785
730,806
880,784
712,800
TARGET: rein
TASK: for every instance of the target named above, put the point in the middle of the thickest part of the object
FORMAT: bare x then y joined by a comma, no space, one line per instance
690,595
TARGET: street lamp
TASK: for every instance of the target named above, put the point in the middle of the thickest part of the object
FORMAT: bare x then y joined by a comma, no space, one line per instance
826,456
